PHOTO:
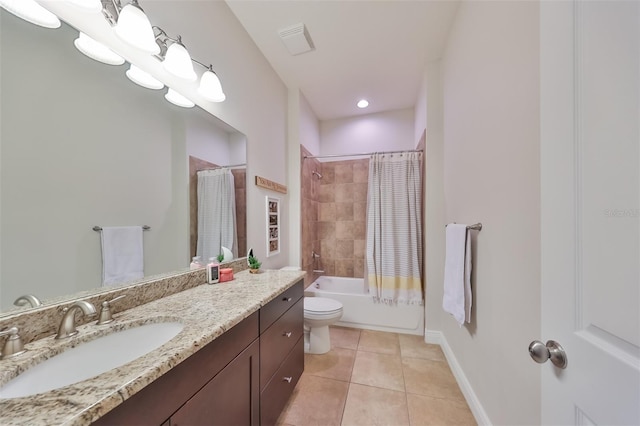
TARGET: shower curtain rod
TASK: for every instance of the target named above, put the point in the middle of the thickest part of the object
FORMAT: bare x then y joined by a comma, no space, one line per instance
222,167
359,155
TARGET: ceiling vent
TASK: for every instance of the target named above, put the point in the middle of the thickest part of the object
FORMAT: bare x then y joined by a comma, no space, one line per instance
297,39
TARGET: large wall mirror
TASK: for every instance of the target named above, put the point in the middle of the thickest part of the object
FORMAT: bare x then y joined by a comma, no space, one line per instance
82,146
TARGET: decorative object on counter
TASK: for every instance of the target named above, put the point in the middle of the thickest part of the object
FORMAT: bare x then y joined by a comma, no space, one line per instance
254,263
220,257
213,271
226,274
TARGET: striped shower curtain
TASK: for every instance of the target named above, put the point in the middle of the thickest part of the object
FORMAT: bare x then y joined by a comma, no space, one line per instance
216,213
394,228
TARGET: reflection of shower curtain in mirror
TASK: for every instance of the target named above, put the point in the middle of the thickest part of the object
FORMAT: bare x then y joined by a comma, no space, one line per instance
216,213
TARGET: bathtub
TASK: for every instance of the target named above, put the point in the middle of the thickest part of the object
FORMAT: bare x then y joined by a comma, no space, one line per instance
359,310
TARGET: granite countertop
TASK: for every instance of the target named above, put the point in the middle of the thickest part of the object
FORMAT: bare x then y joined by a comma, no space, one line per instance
206,311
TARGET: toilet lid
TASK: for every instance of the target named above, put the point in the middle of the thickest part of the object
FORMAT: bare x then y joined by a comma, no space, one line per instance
321,304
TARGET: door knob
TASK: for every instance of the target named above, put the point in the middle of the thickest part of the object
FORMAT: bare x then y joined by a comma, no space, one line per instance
540,353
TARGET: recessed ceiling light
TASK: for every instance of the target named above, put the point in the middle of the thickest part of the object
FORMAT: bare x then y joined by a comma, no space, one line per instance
363,103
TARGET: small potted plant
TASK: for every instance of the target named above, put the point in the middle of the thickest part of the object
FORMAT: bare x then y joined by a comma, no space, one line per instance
220,257
254,264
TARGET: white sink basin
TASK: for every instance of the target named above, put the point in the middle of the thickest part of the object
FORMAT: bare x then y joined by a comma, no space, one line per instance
90,359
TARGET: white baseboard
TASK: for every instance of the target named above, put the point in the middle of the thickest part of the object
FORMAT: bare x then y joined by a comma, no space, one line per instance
437,338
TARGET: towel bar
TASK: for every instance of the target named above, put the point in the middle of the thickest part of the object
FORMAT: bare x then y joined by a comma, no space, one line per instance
99,228
474,227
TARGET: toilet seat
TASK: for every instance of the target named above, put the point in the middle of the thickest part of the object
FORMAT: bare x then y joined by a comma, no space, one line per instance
321,306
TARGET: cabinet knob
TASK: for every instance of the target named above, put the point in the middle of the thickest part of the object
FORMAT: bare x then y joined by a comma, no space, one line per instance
287,334
286,299
287,379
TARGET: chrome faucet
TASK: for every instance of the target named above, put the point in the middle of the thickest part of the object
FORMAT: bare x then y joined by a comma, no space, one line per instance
13,345
27,299
105,315
67,325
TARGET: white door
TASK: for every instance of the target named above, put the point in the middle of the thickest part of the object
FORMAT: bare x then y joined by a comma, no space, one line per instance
590,198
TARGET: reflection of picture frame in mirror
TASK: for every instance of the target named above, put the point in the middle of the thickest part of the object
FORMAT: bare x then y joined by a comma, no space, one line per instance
273,225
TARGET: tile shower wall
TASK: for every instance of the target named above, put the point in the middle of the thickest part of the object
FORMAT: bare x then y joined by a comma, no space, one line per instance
309,214
342,217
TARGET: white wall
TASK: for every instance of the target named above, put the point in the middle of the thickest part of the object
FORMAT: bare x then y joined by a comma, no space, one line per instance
491,175
207,141
309,127
304,129
384,131
88,119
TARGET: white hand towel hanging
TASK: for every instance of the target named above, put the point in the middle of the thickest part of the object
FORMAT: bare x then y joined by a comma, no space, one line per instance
122,254
457,273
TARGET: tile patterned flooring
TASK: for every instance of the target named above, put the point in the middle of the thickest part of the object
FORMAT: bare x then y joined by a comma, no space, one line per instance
376,378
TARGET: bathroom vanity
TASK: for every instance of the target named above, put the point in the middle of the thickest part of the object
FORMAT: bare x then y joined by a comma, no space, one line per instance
244,377
236,362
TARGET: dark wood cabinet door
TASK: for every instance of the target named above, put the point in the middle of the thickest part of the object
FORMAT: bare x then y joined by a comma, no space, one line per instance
230,398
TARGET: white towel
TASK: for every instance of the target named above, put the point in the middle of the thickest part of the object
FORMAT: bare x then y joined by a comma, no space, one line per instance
122,255
457,273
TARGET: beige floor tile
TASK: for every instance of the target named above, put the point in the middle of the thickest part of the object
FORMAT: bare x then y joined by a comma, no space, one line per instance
368,406
335,364
315,401
379,342
430,378
342,337
424,410
380,370
414,347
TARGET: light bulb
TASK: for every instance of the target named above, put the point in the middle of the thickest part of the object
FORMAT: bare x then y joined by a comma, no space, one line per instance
97,51
143,78
363,103
178,62
177,99
134,28
210,87
32,12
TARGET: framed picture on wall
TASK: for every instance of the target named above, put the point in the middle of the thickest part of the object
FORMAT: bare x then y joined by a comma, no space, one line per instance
273,226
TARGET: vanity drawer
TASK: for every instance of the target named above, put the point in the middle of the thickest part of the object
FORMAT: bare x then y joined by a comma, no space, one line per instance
277,392
279,339
274,309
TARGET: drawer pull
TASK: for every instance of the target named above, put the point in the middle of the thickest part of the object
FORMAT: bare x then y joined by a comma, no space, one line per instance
286,299
287,334
287,379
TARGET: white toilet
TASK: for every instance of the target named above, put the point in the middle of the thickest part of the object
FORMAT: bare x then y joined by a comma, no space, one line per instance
319,314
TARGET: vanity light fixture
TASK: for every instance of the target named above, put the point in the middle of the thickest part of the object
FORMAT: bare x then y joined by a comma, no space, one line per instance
32,12
177,99
88,5
143,78
176,60
210,87
97,51
133,27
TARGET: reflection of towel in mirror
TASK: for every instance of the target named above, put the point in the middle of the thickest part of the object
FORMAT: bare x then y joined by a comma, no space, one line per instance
122,254
457,273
